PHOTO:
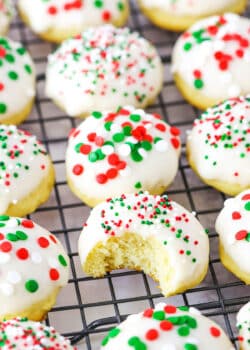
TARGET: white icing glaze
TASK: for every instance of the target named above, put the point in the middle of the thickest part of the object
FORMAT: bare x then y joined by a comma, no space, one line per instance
17,78
243,324
233,227
6,11
63,15
24,163
213,56
143,156
183,237
219,142
189,7
103,68
158,329
22,334
23,281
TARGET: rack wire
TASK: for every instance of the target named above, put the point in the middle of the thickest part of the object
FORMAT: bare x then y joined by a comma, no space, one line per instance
87,308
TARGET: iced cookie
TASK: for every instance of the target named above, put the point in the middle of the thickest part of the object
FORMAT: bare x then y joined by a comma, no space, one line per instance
167,327
21,334
113,153
233,227
243,325
218,146
26,172
179,15
17,82
34,267
145,232
102,69
211,60
57,20
6,12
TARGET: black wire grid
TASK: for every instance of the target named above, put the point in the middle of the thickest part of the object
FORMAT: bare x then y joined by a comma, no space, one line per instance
87,308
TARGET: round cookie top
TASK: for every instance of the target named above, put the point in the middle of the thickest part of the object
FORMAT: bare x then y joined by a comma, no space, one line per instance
124,151
6,11
167,327
213,56
17,78
189,8
177,230
63,14
103,68
243,324
219,143
24,163
22,334
233,227
33,264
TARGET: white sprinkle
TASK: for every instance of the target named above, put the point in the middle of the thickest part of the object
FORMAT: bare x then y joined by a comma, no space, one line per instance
36,258
169,347
11,223
142,152
14,201
218,45
13,277
107,150
124,150
131,139
115,128
6,289
161,146
194,213
227,77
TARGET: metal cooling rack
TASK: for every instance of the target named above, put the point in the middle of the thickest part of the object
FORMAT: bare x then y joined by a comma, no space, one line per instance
87,308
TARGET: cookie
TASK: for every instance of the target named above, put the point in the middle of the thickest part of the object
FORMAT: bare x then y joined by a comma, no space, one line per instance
34,267
21,334
26,172
113,153
179,15
243,325
17,82
167,327
102,69
145,232
211,60
6,13
57,20
233,227
218,146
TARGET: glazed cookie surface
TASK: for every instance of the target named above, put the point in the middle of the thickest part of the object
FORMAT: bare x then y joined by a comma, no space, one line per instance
233,227
167,327
102,69
26,172
211,61
145,232
243,325
22,334
57,20
17,82
113,153
180,14
6,12
218,146
34,266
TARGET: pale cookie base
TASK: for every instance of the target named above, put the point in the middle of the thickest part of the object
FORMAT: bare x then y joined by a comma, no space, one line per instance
167,20
133,252
19,117
92,202
56,35
194,96
231,265
231,189
38,311
37,197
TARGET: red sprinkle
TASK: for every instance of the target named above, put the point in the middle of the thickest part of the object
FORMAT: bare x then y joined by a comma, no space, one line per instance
166,325
6,247
236,215
101,179
170,309
78,169
22,253
148,313
152,334
54,274
215,332
241,235
28,224
43,242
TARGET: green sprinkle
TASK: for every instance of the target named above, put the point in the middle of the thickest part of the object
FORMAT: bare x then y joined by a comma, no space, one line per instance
138,185
97,115
183,331
31,286
62,260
